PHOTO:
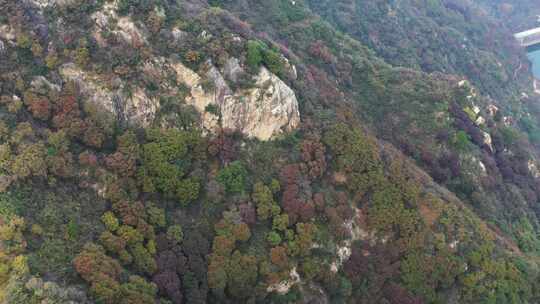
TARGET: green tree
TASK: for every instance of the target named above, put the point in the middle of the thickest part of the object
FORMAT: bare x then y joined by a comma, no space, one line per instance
187,191
280,222
129,234
273,238
175,234
156,216
138,290
254,54
30,161
166,160
462,141
233,177
143,259
273,61
264,201
110,221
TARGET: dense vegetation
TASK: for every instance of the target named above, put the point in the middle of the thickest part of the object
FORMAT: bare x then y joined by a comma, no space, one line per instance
412,177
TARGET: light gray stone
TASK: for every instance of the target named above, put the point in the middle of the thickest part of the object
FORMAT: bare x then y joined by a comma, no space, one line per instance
264,111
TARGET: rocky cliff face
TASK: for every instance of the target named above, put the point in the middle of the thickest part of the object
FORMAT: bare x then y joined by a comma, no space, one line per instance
267,109
263,111
131,106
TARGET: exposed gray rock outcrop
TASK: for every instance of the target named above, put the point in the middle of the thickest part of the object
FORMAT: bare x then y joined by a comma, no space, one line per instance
131,106
263,111
7,33
107,19
232,69
268,109
41,84
178,35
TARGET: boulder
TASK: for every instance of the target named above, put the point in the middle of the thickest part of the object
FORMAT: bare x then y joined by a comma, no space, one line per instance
7,33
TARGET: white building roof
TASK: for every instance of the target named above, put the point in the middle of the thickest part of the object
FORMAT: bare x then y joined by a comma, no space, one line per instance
527,33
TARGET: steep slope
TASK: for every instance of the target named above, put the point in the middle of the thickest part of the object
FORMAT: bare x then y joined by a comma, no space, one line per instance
477,145
245,151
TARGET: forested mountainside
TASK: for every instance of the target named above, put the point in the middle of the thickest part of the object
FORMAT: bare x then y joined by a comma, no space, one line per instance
279,151
518,15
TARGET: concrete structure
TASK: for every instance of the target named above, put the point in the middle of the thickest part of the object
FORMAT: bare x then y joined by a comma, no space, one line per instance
529,38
